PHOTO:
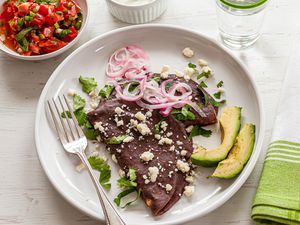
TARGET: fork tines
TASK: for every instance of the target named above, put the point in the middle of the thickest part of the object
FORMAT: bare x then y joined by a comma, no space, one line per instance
67,128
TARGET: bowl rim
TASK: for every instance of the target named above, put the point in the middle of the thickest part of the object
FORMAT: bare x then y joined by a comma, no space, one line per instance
232,189
124,6
14,54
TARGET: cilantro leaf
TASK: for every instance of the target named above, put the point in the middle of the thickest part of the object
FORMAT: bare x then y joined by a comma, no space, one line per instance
115,140
197,130
106,91
184,113
216,103
132,174
90,133
217,95
100,165
192,65
81,116
156,79
133,85
124,193
206,99
220,84
68,114
78,102
124,183
204,74
88,84
129,183
168,85
202,84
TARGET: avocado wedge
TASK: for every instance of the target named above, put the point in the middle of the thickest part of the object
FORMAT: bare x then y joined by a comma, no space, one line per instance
230,123
239,154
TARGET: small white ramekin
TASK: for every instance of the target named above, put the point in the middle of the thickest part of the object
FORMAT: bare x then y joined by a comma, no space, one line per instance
137,14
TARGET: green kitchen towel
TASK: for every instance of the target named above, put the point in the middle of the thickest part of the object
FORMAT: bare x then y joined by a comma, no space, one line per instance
277,199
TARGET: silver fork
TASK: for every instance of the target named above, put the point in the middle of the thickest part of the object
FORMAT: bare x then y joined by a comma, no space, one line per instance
75,142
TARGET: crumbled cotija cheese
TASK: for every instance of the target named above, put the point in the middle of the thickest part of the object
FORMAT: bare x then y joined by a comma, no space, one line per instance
113,157
157,136
202,62
188,52
120,123
189,71
164,125
140,116
121,173
189,179
118,110
167,141
80,167
153,173
165,71
182,166
93,94
98,125
143,129
149,114
207,69
147,156
189,128
172,148
220,89
183,152
168,187
128,139
71,92
189,191
133,122
178,73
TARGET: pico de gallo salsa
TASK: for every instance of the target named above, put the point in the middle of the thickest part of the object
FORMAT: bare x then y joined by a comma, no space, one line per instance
35,27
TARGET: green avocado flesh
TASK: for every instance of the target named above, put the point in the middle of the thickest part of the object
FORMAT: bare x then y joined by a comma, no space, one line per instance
230,123
239,154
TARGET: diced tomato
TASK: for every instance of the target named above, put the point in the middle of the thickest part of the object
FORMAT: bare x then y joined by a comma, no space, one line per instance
34,24
51,45
34,48
60,7
43,10
23,8
7,14
38,20
52,18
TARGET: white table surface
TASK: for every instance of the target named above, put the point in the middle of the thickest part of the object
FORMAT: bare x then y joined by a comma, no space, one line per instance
27,197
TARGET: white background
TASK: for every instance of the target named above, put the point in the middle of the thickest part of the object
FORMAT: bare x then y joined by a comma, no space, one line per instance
27,197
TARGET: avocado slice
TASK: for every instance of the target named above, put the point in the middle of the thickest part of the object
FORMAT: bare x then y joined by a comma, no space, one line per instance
239,154
230,123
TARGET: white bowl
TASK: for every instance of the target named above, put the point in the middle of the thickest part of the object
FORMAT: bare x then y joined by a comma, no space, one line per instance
85,14
136,14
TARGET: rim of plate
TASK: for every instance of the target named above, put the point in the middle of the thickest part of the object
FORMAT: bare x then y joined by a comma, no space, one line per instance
230,191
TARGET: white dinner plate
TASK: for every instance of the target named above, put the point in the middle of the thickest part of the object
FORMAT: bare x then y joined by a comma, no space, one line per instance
164,44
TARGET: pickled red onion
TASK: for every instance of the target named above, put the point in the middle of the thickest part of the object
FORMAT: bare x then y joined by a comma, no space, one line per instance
130,64
125,59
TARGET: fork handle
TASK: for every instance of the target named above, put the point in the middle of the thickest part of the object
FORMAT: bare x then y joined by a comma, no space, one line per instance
112,217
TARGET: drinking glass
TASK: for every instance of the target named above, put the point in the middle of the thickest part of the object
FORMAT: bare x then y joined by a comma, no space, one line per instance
240,21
